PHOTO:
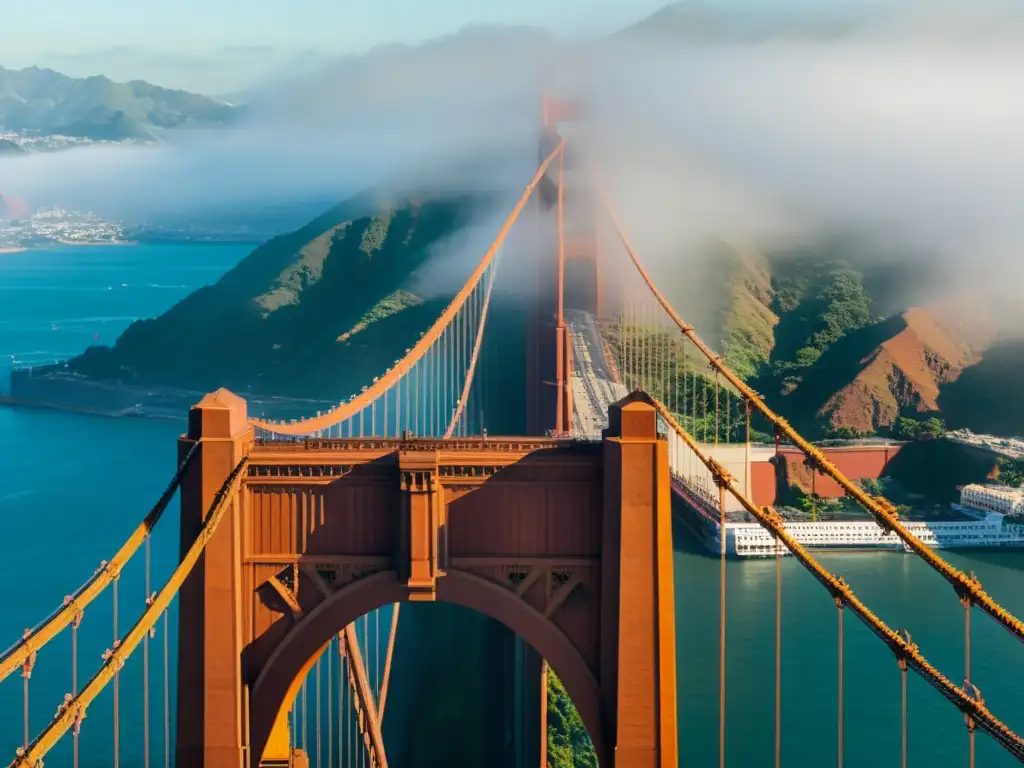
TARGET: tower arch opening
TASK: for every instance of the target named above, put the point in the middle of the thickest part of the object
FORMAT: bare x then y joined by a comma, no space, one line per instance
272,691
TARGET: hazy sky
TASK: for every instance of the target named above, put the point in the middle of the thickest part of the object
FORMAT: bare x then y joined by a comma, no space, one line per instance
219,45
908,131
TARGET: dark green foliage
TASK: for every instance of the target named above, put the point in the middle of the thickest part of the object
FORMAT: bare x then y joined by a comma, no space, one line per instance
819,304
905,428
807,356
743,323
375,234
569,745
873,486
1011,471
845,433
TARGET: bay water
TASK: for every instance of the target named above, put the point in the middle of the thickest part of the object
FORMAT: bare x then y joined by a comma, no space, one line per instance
73,486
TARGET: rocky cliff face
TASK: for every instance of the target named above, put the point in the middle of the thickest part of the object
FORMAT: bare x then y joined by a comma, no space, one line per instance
908,370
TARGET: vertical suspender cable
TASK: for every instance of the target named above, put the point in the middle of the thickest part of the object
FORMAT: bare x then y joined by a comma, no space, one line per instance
778,652
966,600
376,658
839,686
75,624
342,687
317,688
718,387
696,381
721,630
117,687
26,674
330,706
728,416
903,708
746,475
145,669
167,694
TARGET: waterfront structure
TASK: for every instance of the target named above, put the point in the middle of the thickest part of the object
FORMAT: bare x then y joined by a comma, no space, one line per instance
990,498
751,540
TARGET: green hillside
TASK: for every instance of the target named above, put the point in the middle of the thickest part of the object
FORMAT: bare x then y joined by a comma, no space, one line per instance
315,313
35,100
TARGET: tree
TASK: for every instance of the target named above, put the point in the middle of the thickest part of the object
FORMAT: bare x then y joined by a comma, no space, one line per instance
569,744
931,429
905,428
1011,472
871,486
807,356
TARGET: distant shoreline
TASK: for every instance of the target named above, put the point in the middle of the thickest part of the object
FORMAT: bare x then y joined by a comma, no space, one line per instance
70,243
51,244
78,243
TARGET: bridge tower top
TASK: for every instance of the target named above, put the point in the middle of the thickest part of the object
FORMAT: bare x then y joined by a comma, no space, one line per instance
555,110
220,414
633,417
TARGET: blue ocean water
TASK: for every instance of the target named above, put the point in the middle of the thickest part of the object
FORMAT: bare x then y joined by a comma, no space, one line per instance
73,487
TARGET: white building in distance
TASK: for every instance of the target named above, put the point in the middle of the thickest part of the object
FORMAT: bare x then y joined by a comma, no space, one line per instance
987,498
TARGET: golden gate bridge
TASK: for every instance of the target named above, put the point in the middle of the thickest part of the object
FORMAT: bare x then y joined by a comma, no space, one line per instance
301,539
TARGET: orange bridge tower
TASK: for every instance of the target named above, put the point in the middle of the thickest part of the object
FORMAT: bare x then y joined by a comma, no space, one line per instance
567,544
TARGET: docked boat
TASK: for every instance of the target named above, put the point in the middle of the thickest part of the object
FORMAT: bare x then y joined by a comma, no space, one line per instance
971,529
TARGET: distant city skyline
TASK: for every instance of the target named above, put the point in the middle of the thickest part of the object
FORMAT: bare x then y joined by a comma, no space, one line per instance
217,46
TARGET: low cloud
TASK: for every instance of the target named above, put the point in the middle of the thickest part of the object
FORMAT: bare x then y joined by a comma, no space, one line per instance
901,133
404,118
906,131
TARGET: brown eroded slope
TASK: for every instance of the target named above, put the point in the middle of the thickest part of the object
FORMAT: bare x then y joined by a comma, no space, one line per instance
928,347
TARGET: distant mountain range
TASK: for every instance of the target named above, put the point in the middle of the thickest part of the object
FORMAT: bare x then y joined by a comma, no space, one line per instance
35,100
42,101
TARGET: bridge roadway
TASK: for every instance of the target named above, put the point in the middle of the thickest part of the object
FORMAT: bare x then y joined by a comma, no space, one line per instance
595,388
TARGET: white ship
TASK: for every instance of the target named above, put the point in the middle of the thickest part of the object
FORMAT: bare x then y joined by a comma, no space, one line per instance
976,529
991,530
